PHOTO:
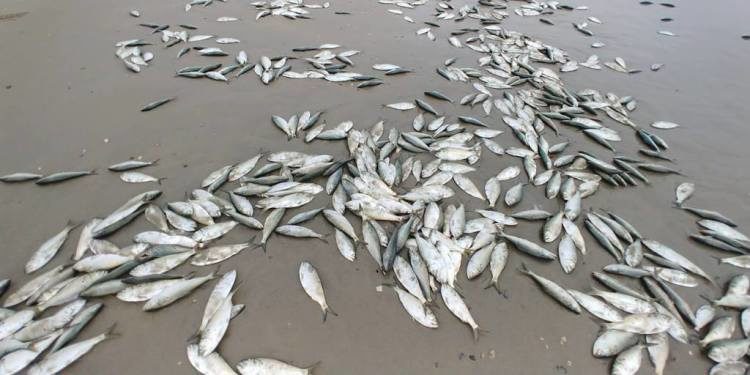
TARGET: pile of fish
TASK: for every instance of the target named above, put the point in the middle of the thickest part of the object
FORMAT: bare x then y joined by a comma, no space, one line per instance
217,314
130,53
291,9
399,186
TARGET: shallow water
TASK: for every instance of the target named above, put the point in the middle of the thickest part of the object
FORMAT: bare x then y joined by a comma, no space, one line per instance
62,91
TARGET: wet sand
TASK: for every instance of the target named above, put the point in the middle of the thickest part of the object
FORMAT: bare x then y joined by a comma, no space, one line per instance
62,91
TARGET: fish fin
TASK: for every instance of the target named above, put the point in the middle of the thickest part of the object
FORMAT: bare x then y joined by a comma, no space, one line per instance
524,269
193,339
331,311
216,271
694,338
110,333
479,332
72,224
488,283
158,180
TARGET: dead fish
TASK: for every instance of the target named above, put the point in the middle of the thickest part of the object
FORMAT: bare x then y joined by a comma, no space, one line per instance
683,192
628,362
402,106
612,342
308,277
48,249
514,195
644,324
458,308
130,164
529,247
20,177
270,366
711,215
63,176
156,104
676,257
216,254
138,177
58,361
553,290
175,291
416,309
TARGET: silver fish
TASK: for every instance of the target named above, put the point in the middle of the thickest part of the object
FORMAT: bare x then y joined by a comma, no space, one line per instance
308,277
48,250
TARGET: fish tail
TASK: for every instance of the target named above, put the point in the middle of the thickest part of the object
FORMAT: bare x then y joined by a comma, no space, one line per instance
475,333
496,284
490,283
72,224
718,260
330,310
216,271
110,333
193,339
236,287
524,269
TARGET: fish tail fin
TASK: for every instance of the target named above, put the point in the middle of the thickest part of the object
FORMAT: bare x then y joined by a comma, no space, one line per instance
237,286
110,333
432,303
705,297
479,332
72,224
216,271
524,269
160,179
475,333
193,339
490,283
330,310
718,259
